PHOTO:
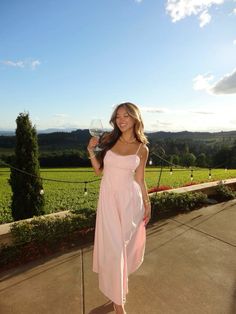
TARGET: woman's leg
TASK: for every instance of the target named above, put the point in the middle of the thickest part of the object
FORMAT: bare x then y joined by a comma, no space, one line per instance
119,309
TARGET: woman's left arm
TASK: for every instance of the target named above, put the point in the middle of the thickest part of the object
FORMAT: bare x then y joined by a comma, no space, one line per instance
140,179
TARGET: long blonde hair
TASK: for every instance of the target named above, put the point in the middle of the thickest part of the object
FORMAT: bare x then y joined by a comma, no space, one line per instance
108,140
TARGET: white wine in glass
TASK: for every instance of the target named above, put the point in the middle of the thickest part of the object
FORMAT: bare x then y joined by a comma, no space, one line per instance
96,129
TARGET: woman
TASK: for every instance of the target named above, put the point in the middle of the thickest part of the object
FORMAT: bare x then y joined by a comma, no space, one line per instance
123,207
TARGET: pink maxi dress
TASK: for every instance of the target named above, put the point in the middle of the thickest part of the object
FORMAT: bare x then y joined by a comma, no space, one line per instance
120,232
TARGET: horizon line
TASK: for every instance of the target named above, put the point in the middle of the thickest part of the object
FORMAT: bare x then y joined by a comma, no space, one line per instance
69,130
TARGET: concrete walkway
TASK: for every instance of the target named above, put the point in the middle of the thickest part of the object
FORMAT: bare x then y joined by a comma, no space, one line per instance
189,268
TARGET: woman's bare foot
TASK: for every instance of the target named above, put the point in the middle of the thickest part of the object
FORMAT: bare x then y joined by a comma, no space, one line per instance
119,309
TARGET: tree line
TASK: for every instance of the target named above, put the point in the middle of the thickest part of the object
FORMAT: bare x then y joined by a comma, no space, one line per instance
197,153
62,149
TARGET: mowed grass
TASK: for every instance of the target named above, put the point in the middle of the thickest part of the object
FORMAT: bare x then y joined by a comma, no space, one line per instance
70,195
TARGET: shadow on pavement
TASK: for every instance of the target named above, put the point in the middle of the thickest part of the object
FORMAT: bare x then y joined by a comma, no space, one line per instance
233,306
9,273
103,309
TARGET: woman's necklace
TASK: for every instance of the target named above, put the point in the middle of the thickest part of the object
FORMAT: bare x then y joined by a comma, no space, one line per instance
124,141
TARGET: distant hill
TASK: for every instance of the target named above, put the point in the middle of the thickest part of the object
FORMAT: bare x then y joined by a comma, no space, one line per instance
67,149
7,133
78,139
192,135
46,131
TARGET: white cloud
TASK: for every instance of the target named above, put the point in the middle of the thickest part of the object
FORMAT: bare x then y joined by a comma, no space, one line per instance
201,82
234,42
202,112
204,18
61,120
225,85
163,124
154,109
233,12
32,64
179,9
18,64
208,117
60,115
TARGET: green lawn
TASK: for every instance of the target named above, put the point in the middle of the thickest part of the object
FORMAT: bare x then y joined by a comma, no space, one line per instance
65,196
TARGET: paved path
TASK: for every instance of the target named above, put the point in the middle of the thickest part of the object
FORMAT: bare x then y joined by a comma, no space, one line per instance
189,268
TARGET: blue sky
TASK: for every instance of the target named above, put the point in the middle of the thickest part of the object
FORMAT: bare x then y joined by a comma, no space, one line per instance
66,62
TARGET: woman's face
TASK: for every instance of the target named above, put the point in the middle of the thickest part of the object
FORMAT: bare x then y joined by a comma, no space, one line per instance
123,120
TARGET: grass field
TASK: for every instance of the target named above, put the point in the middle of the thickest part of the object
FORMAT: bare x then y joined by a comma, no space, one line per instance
67,196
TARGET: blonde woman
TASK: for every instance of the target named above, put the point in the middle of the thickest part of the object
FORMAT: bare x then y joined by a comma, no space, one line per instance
123,207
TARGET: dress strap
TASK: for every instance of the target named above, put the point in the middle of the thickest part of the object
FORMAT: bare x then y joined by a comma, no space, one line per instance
139,148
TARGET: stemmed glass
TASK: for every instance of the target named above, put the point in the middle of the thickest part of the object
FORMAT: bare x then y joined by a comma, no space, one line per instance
96,129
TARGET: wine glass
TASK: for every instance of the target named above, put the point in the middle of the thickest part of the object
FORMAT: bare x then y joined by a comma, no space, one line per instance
96,129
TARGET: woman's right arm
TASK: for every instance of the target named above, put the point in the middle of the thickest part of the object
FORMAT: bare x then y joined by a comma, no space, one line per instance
95,163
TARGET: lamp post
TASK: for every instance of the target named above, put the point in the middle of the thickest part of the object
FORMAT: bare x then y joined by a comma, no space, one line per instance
160,156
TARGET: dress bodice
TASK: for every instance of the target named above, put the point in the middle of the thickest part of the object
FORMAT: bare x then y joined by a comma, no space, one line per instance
114,160
119,169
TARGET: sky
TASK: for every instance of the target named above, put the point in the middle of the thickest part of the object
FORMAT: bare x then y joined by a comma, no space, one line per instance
68,62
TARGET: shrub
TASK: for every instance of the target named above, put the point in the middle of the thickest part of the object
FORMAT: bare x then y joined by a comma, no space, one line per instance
42,235
224,193
169,202
49,229
8,254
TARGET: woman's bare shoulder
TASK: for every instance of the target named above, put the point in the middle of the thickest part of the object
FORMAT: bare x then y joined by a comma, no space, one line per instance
144,150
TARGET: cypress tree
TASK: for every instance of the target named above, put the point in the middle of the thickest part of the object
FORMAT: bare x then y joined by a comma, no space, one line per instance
27,190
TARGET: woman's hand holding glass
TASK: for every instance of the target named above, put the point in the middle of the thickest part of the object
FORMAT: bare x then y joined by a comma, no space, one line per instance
93,142
96,130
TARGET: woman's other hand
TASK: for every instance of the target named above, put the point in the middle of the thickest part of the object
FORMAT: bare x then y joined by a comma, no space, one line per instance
147,214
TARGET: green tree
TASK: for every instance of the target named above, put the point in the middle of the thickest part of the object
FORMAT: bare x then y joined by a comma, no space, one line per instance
201,160
186,148
233,157
174,159
27,190
188,159
222,158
